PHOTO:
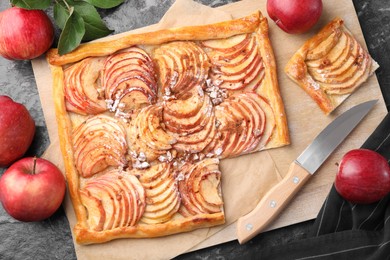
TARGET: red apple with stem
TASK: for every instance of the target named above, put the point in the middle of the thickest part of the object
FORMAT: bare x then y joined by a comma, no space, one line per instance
17,129
32,189
363,176
295,16
24,34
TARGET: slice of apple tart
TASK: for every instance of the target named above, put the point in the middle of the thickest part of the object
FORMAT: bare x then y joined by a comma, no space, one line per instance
331,66
145,119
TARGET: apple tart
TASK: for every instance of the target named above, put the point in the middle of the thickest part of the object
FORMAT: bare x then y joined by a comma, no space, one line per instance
145,119
331,66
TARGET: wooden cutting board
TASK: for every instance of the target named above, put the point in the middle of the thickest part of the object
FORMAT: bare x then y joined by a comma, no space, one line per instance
305,120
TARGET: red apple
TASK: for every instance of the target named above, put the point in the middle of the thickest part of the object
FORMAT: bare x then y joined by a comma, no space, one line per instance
294,16
24,34
17,129
32,189
363,176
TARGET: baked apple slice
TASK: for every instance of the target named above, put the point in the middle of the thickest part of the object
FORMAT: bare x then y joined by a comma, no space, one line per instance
118,196
121,198
321,48
325,65
236,124
162,197
125,58
129,80
150,124
263,132
108,197
197,141
341,75
232,45
336,56
200,188
187,106
228,61
124,198
250,118
138,197
83,91
224,127
99,142
352,72
96,212
181,67
148,135
245,124
238,65
154,176
194,120
192,127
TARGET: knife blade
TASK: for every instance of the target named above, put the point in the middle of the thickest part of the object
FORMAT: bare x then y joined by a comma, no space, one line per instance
307,163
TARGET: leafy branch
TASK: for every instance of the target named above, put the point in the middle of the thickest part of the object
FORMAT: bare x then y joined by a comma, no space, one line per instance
78,20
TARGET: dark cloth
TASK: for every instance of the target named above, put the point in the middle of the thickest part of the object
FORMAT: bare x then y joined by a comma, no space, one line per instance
343,230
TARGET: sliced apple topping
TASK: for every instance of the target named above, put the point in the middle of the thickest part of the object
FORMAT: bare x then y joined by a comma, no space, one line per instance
245,123
236,62
83,92
342,67
113,200
188,106
162,196
96,212
200,188
148,135
99,142
234,43
189,115
196,130
129,80
320,48
339,52
181,67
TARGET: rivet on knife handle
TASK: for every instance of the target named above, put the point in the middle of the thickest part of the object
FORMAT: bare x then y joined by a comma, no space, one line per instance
271,204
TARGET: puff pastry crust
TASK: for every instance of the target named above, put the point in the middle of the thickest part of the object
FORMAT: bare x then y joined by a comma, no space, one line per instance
331,65
145,119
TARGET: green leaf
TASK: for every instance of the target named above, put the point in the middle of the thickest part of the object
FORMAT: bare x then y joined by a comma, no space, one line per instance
72,34
31,4
61,14
105,4
94,25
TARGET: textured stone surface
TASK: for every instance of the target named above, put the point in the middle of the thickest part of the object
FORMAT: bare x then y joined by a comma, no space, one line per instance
51,239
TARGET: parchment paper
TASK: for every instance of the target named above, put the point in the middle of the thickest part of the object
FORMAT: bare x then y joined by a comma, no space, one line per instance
247,178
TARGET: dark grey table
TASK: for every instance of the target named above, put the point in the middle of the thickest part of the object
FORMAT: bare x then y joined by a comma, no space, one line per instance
51,239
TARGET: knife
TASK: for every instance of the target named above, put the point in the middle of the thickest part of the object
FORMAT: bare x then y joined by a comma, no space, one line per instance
299,172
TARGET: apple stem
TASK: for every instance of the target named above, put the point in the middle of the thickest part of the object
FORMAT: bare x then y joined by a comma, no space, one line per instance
34,165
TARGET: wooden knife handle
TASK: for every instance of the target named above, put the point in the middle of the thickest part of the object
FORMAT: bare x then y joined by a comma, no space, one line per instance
272,203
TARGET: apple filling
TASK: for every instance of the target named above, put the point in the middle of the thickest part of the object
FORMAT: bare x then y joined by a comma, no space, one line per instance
83,93
182,66
200,188
341,65
236,62
113,200
167,115
128,78
99,142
